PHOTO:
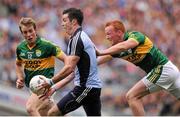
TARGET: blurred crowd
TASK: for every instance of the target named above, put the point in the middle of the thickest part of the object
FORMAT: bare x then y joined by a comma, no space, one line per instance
158,19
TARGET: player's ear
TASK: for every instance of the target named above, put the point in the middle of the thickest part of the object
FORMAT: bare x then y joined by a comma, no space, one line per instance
119,32
74,21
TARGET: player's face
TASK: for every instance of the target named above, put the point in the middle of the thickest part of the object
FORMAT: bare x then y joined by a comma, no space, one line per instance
67,24
29,34
112,35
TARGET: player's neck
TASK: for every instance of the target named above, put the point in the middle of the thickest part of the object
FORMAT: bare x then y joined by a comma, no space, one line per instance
74,29
31,45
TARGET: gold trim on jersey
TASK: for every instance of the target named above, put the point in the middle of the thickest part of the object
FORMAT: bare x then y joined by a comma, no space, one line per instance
134,58
140,51
38,64
59,53
145,47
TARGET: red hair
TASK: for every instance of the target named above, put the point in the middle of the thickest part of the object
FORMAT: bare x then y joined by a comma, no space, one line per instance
118,25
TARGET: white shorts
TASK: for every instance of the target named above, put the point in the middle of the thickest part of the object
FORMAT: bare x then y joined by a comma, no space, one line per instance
165,77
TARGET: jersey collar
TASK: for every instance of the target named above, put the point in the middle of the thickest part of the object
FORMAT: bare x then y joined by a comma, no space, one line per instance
38,40
77,30
125,35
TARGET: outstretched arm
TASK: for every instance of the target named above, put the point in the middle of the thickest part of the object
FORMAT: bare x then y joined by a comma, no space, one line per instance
122,46
104,59
64,82
69,66
58,86
63,73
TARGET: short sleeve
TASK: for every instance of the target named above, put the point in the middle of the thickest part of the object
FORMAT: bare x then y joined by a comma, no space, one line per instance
137,36
56,50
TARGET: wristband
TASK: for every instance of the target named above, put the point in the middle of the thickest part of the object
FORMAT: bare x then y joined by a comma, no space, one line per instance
51,82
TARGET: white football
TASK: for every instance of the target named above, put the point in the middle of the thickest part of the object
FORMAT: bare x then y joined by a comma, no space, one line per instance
35,82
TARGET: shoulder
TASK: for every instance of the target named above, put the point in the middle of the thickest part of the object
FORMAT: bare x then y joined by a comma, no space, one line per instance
84,36
138,36
46,43
21,44
136,33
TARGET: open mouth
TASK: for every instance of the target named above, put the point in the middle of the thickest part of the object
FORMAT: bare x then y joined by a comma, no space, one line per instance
30,39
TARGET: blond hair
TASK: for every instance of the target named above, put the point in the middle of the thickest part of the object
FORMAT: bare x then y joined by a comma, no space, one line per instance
118,25
26,21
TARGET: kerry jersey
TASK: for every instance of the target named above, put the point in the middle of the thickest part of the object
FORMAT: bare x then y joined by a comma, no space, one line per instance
145,55
86,73
39,60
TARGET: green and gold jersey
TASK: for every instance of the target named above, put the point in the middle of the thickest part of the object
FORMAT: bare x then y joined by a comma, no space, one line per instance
145,55
38,60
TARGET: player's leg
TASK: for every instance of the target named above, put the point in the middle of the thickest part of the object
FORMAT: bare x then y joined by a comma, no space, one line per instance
139,90
54,111
92,103
174,79
31,105
67,104
38,107
169,79
43,106
134,96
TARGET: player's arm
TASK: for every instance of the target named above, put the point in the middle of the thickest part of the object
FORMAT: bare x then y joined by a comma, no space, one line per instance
63,73
63,82
122,46
58,86
20,75
66,70
104,59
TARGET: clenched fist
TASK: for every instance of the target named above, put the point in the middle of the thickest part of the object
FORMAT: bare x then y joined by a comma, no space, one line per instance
19,83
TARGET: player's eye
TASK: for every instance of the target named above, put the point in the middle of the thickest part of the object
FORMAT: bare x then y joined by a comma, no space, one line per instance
30,31
24,32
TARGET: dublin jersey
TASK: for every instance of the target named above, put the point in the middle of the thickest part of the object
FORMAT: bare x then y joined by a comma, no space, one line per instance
38,60
86,73
145,55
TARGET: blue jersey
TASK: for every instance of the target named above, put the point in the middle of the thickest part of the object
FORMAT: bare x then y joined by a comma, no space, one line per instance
86,71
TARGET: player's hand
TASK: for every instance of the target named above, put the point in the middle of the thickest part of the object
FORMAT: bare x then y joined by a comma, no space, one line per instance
98,53
48,94
19,83
51,91
47,83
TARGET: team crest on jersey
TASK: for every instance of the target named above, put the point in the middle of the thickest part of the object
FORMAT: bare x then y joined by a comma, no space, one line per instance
38,53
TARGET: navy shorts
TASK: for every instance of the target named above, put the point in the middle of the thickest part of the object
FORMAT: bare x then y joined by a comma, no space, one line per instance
89,98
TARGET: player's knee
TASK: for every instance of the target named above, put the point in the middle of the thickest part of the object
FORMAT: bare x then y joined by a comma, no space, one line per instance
30,109
130,96
54,112
42,111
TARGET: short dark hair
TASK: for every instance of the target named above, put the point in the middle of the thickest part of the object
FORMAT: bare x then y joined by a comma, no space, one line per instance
74,13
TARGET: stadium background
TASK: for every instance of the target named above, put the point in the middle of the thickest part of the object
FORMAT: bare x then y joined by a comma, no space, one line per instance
159,19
